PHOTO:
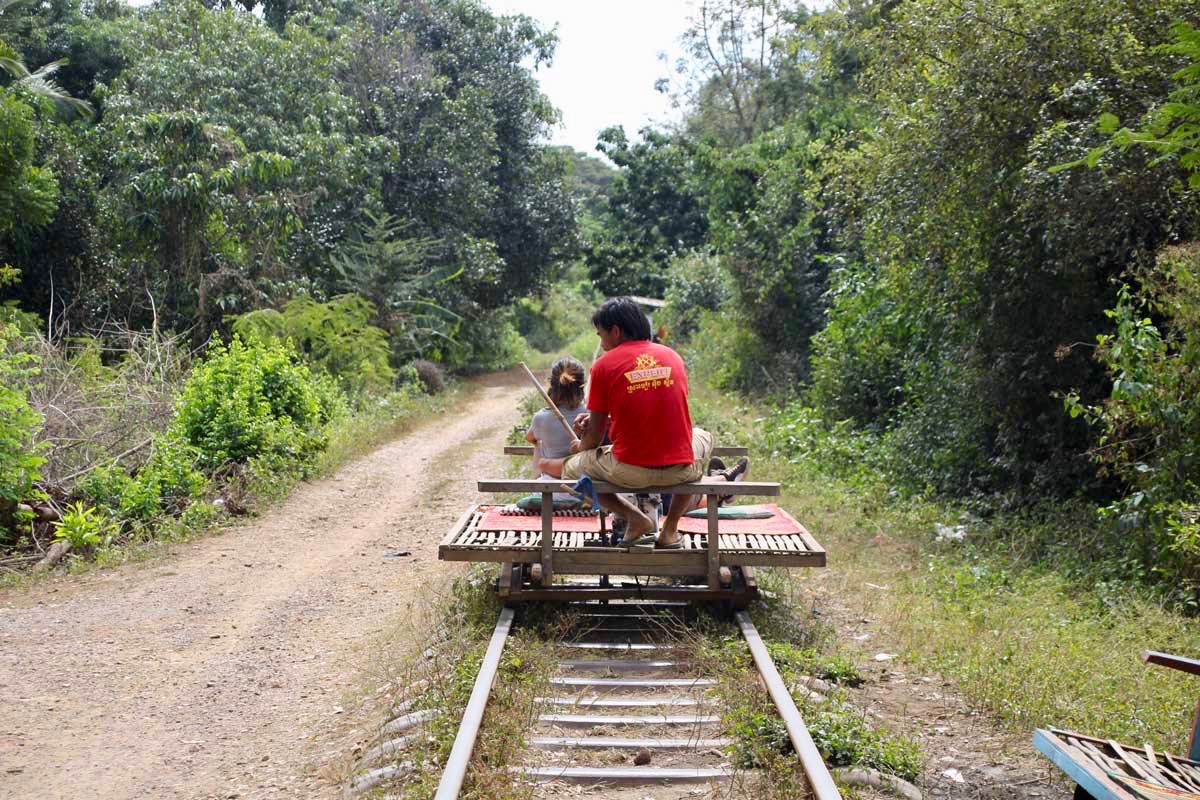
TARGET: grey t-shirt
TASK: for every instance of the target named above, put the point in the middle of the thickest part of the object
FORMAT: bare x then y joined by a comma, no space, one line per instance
553,438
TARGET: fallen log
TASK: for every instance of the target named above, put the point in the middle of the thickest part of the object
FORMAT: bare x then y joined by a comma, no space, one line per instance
873,779
54,555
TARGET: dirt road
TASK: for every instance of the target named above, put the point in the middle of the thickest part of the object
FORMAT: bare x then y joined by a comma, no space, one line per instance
210,673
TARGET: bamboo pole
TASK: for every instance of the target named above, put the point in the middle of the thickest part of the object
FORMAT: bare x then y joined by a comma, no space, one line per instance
550,403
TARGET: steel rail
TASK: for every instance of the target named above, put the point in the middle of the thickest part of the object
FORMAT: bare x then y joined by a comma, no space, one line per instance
464,742
819,779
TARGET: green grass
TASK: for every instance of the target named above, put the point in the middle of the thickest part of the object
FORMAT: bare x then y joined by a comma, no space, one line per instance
1012,614
801,645
465,619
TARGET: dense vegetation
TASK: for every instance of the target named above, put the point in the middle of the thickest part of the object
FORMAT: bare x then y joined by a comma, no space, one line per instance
954,234
359,190
954,237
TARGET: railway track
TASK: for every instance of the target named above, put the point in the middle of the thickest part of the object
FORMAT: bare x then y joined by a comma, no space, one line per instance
621,689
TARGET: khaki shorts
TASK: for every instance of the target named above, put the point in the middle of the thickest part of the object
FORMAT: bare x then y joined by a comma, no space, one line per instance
601,465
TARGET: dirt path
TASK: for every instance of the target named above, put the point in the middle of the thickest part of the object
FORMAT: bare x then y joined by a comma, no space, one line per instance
209,673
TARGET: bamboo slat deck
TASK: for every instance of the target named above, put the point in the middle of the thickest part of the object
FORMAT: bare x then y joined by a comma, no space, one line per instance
1097,765
465,542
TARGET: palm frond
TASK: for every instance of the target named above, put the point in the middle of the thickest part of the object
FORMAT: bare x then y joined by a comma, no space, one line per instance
13,67
5,5
42,84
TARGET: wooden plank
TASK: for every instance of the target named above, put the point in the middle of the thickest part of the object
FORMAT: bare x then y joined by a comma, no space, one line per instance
741,488
527,450
592,720
1188,665
714,546
820,782
504,585
1104,743
562,594
751,579
468,730
459,524
627,743
635,562
619,702
614,646
1184,776
664,563
626,774
547,538
615,664
1133,763
1078,767
635,683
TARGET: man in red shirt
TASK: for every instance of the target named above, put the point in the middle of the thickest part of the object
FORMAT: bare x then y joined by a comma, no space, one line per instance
638,395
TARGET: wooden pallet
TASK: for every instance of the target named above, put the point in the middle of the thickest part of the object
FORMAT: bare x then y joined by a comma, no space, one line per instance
1098,766
1106,770
465,542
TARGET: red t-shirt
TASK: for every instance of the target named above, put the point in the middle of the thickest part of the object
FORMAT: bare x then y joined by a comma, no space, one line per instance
643,387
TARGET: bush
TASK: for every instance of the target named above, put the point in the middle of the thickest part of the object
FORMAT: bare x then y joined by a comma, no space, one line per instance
247,400
430,375
484,343
858,357
336,337
549,322
168,483
105,486
696,282
84,527
724,350
1149,425
19,425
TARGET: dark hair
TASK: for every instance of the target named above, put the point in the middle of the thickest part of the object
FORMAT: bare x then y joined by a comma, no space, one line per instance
566,382
625,314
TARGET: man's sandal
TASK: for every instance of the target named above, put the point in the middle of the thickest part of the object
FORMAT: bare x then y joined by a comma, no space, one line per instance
675,545
645,540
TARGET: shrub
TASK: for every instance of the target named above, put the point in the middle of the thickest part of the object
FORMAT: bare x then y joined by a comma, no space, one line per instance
430,375
168,483
725,350
336,337
858,357
254,399
1149,426
696,282
105,486
19,424
484,343
84,527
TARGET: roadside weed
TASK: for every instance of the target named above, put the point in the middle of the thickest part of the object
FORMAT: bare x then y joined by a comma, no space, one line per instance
84,527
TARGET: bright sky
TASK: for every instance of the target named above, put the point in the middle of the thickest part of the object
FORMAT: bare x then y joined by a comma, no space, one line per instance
607,61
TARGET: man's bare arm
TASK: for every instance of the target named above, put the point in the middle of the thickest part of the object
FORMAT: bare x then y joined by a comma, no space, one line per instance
597,424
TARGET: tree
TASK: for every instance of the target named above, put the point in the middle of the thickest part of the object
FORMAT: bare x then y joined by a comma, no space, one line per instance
998,264
652,215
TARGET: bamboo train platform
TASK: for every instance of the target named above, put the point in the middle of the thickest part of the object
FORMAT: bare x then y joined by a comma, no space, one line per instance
715,563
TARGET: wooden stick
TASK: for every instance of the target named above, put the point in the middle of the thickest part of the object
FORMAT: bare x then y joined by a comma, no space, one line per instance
550,403
1180,663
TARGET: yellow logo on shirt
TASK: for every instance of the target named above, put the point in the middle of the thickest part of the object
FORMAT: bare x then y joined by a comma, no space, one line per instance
648,374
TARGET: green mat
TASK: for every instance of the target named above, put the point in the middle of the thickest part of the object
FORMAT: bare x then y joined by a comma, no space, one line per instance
533,502
730,512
